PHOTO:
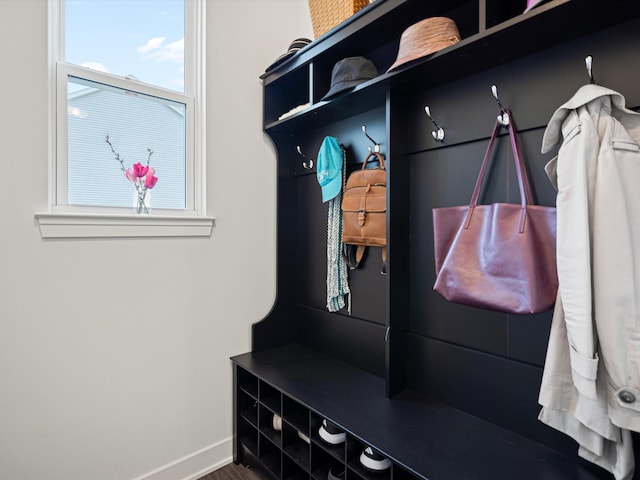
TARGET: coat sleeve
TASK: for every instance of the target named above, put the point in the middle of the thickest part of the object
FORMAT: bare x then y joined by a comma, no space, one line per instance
573,174
576,166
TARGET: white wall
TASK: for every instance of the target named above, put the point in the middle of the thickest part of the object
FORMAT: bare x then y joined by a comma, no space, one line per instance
104,376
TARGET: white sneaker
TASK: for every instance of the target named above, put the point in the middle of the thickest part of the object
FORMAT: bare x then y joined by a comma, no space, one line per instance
331,434
372,460
277,422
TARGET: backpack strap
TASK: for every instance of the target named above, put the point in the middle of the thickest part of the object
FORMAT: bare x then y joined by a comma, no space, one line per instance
354,254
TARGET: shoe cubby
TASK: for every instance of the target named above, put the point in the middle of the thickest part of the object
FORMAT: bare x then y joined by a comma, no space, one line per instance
369,419
246,421
353,450
291,447
295,447
247,438
270,398
293,471
247,384
336,452
248,408
322,462
268,426
295,415
270,455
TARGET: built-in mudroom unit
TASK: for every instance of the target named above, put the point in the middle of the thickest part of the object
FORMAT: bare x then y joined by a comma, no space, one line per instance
440,390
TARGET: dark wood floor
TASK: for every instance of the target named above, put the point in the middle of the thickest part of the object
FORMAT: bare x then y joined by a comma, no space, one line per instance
235,472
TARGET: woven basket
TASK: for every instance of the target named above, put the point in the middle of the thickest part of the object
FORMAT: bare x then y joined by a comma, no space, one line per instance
326,14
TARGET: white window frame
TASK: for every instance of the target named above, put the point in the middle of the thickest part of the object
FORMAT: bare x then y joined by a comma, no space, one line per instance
66,221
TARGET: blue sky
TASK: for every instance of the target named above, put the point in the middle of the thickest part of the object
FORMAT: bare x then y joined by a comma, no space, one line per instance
143,38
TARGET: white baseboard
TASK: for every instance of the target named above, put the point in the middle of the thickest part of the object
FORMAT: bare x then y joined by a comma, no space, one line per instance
194,465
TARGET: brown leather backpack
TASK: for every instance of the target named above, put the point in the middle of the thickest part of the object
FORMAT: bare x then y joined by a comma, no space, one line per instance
364,211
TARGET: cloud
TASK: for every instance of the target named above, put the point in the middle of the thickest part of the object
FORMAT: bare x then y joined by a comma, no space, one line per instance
156,50
153,44
95,66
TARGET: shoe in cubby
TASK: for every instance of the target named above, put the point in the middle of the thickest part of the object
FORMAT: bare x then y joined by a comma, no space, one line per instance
337,472
373,460
331,434
277,422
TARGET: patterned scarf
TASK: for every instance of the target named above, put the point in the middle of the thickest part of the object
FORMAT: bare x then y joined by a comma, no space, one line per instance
337,274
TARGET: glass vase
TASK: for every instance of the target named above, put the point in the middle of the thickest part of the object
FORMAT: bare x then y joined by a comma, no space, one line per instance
142,202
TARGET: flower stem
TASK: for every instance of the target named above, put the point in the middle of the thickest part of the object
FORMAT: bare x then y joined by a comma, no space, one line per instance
117,155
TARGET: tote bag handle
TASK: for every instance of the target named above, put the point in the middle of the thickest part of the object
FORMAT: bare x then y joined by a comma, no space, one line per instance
526,196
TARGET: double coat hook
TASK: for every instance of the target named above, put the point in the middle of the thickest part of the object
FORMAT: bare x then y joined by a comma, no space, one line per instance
308,163
376,145
438,134
503,116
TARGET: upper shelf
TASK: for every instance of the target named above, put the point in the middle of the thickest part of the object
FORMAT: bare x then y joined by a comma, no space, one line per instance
485,44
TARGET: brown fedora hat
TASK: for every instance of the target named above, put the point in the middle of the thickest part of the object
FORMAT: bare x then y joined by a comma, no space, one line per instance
424,38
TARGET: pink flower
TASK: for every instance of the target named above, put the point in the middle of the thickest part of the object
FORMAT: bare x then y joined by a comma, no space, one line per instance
131,176
150,181
140,170
151,172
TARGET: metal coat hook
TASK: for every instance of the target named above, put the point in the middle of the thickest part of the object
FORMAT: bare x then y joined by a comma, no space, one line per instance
503,117
376,145
306,165
589,63
438,134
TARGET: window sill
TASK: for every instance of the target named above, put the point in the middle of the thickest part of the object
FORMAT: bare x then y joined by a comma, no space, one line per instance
82,225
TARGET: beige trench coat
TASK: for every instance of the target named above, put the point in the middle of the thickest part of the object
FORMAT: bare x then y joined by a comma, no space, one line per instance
591,382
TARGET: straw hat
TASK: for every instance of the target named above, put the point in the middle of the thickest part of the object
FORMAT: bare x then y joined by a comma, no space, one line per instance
424,38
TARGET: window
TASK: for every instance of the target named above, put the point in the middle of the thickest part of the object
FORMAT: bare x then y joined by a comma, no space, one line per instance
130,71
